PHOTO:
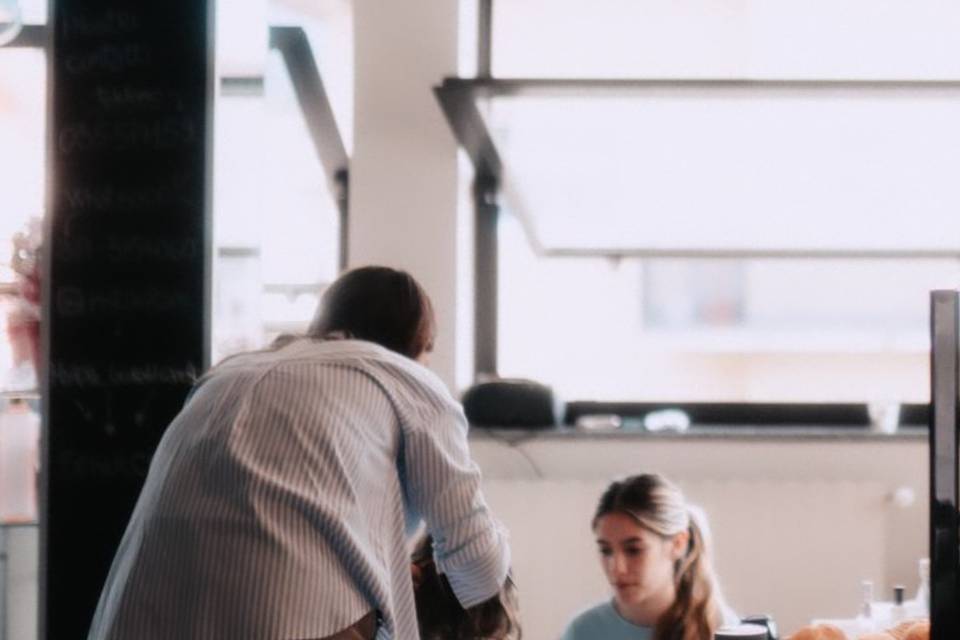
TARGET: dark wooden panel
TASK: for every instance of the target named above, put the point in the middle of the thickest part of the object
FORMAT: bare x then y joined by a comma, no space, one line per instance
944,491
127,297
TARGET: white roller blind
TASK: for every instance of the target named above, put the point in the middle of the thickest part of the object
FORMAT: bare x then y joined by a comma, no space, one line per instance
759,168
732,38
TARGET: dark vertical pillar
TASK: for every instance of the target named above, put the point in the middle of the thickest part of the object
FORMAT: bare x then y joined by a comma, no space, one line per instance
486,212
944,425
126,272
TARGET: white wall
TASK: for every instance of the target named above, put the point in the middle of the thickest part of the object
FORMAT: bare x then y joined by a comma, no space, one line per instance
403,176
19,580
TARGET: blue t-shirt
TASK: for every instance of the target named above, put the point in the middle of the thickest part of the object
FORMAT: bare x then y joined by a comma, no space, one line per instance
602,622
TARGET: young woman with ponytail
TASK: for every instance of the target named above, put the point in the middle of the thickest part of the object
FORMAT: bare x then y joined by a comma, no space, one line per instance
653,554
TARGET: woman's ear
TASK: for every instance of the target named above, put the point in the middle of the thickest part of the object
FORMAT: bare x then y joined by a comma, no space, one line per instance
679,545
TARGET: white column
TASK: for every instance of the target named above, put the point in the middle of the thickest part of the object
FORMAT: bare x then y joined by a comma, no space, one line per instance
403,172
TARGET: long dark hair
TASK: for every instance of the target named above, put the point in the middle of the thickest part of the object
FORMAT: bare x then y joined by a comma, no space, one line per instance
659,506
440,615
378,304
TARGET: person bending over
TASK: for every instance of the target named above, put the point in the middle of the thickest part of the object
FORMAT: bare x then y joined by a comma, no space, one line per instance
277,503
654,556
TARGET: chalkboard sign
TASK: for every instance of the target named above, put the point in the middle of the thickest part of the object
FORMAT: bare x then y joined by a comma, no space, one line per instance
126,272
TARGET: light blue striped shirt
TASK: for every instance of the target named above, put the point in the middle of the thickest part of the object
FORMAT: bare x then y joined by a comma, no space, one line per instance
275,504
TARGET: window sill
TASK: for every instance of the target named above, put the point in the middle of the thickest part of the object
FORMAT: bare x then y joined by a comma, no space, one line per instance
775,433
764,341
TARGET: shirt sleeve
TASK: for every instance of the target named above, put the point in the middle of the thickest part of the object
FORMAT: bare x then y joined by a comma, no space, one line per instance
442,484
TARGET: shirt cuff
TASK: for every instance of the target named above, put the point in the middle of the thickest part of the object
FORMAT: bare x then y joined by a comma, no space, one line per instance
478,571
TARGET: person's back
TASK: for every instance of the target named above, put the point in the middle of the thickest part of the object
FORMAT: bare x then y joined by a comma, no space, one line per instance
311,500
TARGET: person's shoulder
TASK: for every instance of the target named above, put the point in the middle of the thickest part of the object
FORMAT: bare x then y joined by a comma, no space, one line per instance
401,377
592,622
406,369
350,349
602,621
398,373
340,352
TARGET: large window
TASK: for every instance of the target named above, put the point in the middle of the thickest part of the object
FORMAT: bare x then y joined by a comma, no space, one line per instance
276,216
723,203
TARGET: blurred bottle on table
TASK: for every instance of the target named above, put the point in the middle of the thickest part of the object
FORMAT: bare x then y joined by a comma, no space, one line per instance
898,613
919,606
866,623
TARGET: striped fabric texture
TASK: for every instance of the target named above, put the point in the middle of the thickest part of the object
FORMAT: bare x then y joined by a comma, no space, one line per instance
277,503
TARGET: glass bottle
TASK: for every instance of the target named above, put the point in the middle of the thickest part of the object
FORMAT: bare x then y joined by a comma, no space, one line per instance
899,611
919,607
865,621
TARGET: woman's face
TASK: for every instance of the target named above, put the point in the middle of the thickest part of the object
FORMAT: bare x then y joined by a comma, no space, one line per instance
638,563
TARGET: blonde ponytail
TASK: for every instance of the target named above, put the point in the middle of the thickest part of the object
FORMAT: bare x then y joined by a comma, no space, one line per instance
694,614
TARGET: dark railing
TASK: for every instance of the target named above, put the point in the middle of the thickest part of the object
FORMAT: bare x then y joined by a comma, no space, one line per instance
834,415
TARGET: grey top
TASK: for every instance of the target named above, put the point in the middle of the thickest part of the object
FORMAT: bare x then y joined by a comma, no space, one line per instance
603,621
